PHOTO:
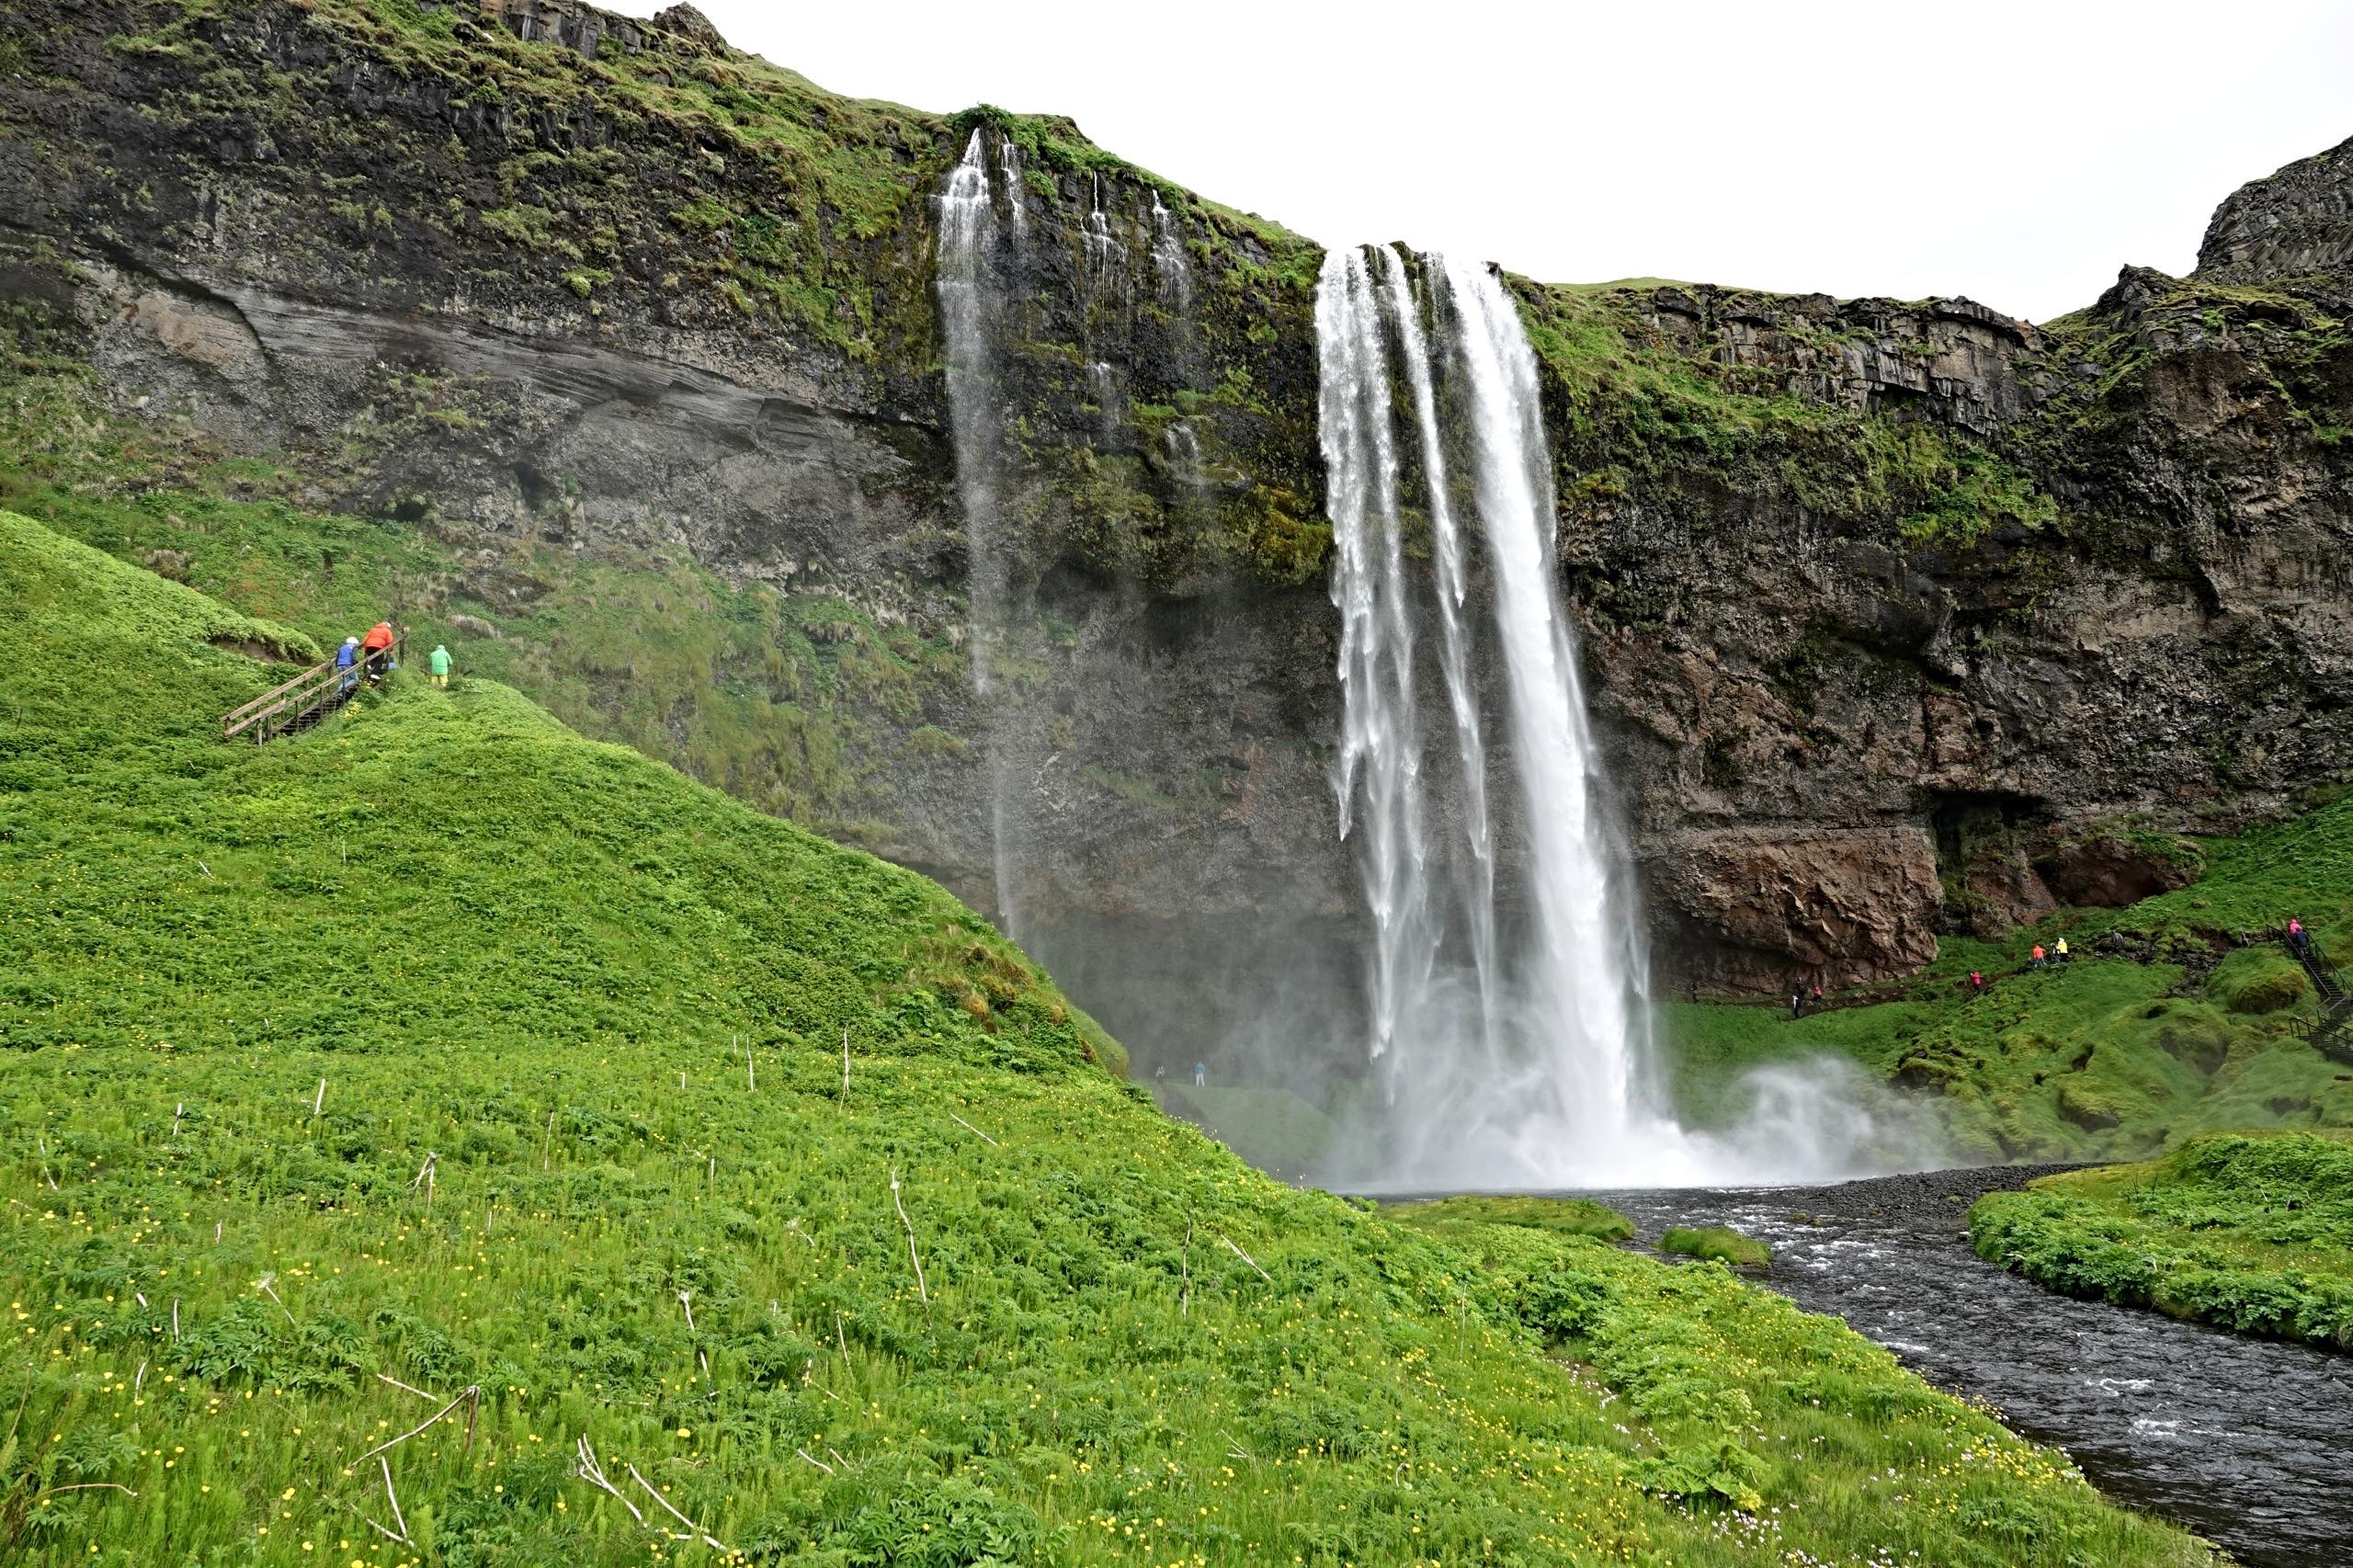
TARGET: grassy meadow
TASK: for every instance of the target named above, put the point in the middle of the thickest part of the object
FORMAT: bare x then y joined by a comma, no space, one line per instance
2248,1233
440,1062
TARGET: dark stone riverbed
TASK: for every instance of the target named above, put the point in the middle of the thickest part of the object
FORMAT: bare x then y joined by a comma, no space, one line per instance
2248,1442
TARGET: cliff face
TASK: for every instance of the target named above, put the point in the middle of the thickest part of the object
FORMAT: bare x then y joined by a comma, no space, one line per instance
1899,618
1855,726
2296,223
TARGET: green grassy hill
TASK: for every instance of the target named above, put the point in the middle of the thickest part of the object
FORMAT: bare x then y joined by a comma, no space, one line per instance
440,1050
2177,1015
2253,1233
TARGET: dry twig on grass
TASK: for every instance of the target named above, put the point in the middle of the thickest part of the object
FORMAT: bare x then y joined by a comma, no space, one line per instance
386,1378
693,1527
921,1289
472,1391
424,1178
1247,1258
1185,1289
395,1499
589,1470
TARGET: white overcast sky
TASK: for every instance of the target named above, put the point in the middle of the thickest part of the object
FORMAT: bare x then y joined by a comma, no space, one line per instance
2017,153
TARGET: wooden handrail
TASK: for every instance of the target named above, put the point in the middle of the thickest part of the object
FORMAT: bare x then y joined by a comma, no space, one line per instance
229,721
301,694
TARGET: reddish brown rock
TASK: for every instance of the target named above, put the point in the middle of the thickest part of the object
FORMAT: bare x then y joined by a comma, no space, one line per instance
1757,909
2000,891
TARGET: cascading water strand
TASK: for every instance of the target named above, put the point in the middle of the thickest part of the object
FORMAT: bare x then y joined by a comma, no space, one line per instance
970,308
1380,743
1452,587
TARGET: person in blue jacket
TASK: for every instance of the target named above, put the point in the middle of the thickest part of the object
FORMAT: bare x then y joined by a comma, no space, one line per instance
347,659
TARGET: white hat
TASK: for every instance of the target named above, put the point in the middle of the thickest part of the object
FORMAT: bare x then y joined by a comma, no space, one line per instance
351,641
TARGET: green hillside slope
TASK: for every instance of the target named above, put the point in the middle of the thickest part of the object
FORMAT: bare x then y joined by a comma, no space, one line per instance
440,1054
2177,1015
2253,1233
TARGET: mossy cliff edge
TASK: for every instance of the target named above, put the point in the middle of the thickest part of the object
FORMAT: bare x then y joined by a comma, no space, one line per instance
613,352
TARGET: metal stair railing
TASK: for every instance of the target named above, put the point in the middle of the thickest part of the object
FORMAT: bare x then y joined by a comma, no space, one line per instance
300,703
2328,1036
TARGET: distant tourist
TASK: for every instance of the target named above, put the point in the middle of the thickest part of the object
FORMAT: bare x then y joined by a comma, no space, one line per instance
2298,937
378,646
441,666
1817,998
2058,950
1797,1004
1977,983
347,659
2037,958
1201,1075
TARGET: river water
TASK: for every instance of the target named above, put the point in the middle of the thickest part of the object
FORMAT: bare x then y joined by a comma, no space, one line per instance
2248,1442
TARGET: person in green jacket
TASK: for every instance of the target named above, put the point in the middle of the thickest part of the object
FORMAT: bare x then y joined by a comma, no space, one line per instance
439,665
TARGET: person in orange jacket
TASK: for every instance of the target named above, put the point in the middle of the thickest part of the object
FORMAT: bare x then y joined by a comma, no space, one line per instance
377,645
2035,958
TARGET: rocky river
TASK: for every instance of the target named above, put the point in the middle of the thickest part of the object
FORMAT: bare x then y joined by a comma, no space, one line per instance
2246,1441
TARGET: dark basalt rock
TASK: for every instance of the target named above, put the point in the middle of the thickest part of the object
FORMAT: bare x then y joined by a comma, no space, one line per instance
2293,223
2109,873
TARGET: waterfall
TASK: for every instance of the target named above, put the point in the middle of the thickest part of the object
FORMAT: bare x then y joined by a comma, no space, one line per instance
971,312
1169,258
1503,1028
1102,250
1379,737
1008,163
1452,586
968,312
1576,971
1185,456
1103,390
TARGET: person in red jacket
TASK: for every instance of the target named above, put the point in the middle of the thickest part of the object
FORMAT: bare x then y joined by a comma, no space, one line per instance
378,646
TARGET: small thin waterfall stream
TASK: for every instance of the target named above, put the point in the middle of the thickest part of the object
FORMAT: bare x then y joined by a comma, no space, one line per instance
971,309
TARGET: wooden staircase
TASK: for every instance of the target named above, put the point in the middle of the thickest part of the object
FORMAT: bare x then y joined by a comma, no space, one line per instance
2328,1036
303,702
